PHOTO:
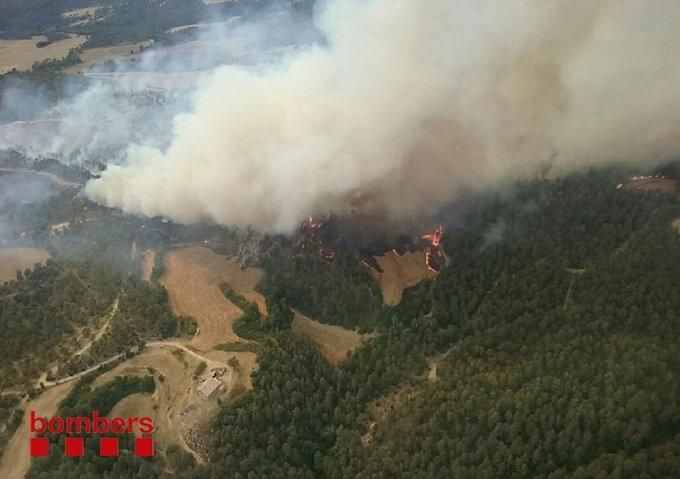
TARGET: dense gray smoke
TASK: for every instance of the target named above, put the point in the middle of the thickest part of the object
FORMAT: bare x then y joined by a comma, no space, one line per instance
407,104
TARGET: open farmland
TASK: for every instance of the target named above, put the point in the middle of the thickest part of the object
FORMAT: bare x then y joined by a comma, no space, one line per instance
400,272
334,342
20,55
192,278
19,259
96,56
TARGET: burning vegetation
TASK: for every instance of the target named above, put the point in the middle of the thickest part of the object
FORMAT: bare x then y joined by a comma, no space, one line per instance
434,256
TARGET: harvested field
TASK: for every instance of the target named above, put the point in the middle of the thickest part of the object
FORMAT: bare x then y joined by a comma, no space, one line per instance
193,277
19,259
22,54
334,342
147,264
135,405
244,281
99,55
400,272
15,462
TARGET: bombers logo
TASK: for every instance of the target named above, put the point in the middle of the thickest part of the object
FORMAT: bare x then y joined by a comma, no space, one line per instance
75,446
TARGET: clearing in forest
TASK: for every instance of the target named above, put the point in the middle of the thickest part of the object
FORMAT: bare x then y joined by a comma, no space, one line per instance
400,272
334,342
19,259
147,264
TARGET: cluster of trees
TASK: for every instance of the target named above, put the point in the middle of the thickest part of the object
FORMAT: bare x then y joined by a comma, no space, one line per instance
143,314
81,401
340,292
10,417
252,325
40,310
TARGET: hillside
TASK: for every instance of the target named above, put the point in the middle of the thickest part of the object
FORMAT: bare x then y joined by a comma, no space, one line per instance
550,350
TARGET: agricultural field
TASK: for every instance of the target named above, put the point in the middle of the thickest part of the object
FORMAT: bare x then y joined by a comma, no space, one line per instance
400,272
334,342
19,259
192,278
20,55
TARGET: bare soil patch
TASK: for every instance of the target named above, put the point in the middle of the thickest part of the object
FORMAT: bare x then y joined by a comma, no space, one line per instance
676,225
334,342
19,259
400,272
22,54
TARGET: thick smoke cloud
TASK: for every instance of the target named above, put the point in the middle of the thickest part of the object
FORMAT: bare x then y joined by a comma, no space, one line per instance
407,104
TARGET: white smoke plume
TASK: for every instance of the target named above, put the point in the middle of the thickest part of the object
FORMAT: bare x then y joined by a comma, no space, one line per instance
408,103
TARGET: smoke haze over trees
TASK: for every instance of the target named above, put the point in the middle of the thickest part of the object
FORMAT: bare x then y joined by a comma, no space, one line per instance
408,104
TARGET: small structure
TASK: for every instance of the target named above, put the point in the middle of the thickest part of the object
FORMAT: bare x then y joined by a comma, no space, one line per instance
209,387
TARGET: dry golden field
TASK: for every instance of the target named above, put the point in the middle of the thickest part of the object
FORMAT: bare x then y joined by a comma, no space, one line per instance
19,259
22,54
400,272
334,342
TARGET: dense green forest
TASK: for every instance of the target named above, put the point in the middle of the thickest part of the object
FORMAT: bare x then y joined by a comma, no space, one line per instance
341,292
549,347
40,310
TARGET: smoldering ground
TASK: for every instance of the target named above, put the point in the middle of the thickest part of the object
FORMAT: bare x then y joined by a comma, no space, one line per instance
407,104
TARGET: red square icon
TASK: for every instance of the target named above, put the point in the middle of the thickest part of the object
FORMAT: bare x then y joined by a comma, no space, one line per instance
40,446
144,446
74,446
108,446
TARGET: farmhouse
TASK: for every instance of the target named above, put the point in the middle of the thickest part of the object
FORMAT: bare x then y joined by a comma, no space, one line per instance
209,387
